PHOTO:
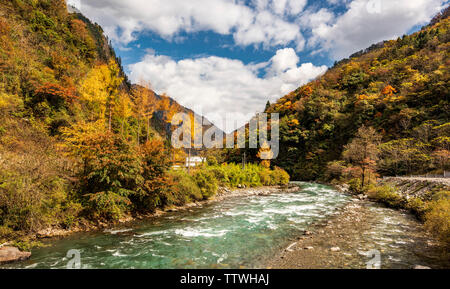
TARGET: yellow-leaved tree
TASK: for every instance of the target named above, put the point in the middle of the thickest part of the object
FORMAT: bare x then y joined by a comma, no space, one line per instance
145,105
123,111
99,91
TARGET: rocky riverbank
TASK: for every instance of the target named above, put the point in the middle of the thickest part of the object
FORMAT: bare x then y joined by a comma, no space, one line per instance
345,240
222,194
11,254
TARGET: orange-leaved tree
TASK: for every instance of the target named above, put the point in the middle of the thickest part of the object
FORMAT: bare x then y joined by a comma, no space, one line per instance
363,151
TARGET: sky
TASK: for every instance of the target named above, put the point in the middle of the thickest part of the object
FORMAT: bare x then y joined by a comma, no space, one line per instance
227,58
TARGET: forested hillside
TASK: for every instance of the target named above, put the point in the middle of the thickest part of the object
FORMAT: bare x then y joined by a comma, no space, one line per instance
395,93
80,145
62,94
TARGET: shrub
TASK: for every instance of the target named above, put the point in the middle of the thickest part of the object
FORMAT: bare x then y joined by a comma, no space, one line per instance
221,174
280,176
108,205
28,205
265,177
212,161
335,170
206,182
235,174
418,207
355,185
184,187
251,176
9,103
437,220
232,175
387,195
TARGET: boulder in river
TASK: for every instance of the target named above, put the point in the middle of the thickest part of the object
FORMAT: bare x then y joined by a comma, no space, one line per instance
12,254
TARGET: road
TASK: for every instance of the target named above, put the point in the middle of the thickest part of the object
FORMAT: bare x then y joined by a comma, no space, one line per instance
445,181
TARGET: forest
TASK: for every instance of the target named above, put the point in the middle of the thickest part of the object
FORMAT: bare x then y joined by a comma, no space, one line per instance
400,90
79,144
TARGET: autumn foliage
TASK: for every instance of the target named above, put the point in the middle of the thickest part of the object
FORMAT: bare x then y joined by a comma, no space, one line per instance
399,88
55,94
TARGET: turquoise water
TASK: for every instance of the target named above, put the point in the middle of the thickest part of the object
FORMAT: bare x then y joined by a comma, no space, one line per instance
240,232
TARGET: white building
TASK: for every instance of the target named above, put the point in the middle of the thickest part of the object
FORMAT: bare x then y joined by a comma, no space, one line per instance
194,161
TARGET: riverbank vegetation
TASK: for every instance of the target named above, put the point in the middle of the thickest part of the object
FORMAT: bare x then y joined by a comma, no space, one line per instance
361,158
433,208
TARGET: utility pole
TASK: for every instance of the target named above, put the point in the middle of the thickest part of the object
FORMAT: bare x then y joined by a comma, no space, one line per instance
189,161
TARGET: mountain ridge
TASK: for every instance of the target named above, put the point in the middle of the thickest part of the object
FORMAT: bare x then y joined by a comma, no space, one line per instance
397,86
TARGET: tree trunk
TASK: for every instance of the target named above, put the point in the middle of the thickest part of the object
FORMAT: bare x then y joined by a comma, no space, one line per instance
189,161
110,116
148,129
363,177
139,130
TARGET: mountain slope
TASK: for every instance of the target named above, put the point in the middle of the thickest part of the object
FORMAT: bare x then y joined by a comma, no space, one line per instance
401,88
77,140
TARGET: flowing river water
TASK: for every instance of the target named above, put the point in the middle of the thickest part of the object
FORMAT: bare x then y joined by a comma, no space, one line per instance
238,232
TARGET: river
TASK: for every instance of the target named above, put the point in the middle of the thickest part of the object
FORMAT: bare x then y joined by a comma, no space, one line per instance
240,232
250,232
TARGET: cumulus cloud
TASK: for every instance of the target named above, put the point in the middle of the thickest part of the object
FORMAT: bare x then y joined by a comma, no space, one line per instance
216,86
249,25
366,22
270,30
281,7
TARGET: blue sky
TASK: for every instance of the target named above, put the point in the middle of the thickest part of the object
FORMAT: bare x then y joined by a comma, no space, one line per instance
223,57
209,43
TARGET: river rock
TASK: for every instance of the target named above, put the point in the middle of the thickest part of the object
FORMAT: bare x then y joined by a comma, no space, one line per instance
12,254
51,233
335,249
344,188
418,267
309,248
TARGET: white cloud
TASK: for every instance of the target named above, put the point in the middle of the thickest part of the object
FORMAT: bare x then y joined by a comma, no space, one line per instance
366,22
281,7
283,60
249,25
216,85
313,20
269,30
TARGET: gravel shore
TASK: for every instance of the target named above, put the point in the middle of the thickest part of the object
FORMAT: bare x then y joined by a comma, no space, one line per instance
343,240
